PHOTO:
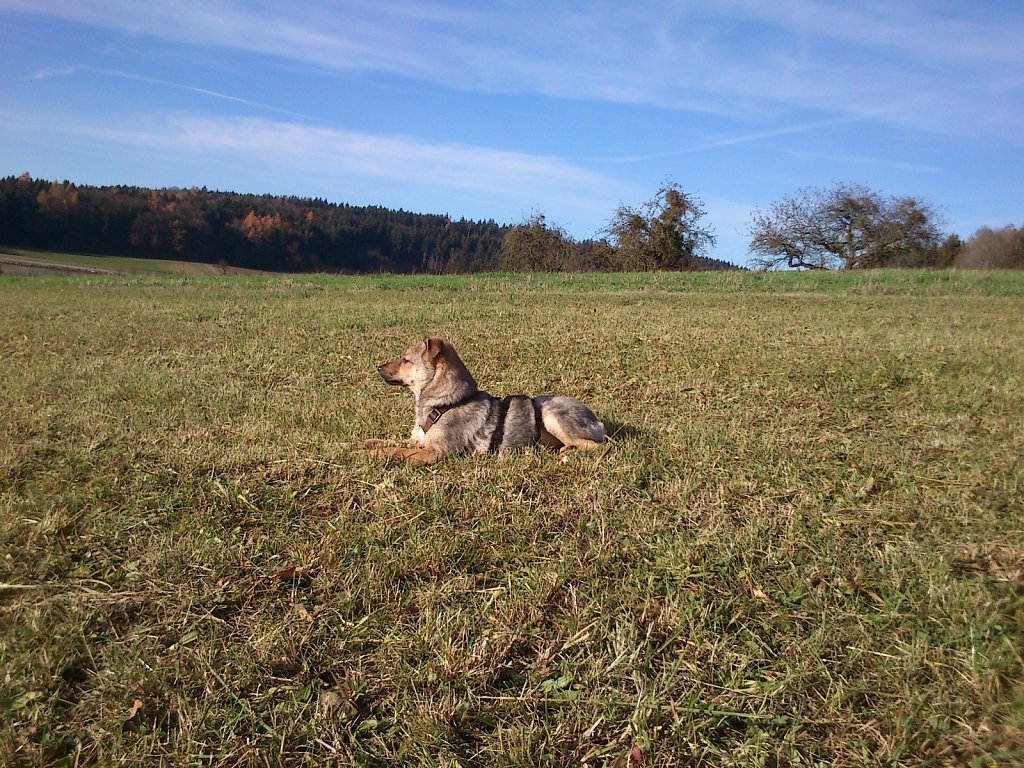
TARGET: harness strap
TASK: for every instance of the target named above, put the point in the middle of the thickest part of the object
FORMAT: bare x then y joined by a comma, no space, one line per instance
438,411
499,429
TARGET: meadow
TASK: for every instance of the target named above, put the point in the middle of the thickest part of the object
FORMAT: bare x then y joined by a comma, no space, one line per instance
804,545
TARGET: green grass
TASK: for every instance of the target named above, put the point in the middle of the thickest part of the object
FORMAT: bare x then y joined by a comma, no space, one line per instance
640,284
804,546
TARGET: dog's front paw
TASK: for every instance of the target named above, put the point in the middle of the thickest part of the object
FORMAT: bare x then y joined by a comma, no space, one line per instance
418,456
373,442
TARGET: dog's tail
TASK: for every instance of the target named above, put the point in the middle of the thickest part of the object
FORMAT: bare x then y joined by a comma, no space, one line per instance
570,422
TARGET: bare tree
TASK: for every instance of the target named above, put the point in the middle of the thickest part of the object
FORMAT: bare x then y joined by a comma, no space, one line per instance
845,226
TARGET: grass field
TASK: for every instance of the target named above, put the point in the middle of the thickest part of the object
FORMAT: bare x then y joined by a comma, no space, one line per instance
805,545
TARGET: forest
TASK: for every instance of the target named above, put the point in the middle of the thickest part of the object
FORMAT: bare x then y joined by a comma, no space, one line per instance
283,234
286,234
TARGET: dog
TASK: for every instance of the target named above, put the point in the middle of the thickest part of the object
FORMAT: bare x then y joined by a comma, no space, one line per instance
454,416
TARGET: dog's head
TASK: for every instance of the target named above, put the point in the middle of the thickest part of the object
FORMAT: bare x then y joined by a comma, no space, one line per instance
417,366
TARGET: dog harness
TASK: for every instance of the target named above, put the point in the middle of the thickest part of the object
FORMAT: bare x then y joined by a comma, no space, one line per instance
499,429
440,410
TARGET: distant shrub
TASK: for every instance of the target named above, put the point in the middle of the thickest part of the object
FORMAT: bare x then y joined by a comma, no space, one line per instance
993,249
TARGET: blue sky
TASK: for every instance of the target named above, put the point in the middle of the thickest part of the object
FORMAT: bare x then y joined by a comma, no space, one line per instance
496,110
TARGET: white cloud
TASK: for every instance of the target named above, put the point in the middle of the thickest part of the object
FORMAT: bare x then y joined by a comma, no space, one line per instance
396,157
887,60
344,154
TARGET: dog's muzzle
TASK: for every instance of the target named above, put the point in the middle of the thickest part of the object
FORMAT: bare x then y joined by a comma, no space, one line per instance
387,376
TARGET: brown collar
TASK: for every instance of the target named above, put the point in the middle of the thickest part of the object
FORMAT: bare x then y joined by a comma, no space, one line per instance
440,410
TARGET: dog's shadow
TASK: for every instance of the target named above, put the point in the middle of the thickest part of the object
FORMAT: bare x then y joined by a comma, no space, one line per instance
619,431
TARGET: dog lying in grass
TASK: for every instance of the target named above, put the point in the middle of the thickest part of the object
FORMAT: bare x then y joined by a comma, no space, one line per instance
454,416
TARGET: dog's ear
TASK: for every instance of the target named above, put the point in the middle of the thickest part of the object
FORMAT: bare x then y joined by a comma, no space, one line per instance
433,350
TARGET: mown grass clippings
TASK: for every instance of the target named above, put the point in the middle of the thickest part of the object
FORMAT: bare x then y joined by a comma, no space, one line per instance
803,546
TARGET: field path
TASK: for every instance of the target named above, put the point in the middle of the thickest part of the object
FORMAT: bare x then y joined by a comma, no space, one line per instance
11,265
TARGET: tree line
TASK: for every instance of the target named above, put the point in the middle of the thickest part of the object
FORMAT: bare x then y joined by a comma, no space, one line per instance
845,226
263,232
294,234
665,233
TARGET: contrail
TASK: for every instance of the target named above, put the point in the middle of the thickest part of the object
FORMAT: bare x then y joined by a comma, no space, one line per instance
68,71
734,140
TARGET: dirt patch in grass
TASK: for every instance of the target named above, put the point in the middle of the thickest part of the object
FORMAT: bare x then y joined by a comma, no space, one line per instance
14,266
26,262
